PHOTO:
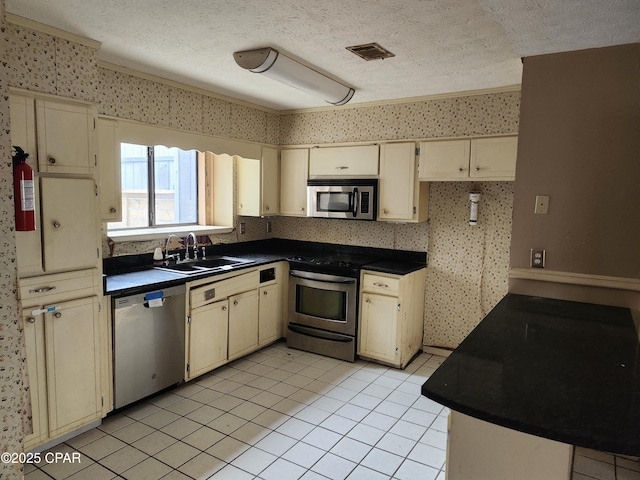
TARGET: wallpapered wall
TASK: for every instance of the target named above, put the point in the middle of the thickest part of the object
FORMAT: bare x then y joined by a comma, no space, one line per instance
468,265
12,394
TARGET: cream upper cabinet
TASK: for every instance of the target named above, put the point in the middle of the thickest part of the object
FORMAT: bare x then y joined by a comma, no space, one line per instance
491,158
23,125
110,191
346,161
391,316
494,158
69,223
258,180
66,136
402,196
294,172
243,324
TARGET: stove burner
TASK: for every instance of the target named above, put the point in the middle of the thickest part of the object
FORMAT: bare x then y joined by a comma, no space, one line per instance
340,264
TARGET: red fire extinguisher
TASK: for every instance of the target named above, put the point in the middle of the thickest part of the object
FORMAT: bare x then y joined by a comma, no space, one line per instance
23,192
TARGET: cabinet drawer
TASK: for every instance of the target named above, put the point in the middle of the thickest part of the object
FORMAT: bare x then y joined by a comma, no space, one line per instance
215,291
380,284
57,287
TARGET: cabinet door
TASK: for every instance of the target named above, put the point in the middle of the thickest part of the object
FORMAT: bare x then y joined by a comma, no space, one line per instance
66,137
36,369
23,124
69,223
207,338
270,181
494,158
23,135
445,160
269,313
344,161
397,181
379,337
248,186
243,324
109,168
73,365
294,172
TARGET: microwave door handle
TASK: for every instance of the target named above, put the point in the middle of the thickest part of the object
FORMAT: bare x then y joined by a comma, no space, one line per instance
355,201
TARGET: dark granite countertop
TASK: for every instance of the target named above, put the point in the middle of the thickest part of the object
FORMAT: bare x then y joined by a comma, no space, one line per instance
566,371
126,275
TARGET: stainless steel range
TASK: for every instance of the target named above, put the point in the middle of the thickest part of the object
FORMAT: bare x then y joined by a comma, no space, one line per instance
323,304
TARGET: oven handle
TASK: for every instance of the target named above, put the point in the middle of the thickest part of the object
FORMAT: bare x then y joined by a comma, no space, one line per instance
312,332
321,277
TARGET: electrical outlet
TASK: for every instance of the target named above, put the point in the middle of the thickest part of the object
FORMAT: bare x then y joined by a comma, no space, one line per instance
538,257
542,205
242,228
269,227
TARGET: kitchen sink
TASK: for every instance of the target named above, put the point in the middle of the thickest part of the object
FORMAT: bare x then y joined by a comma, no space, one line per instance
202,266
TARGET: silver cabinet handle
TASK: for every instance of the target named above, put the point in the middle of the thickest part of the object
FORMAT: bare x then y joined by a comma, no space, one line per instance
461,169
57,314
385,211
266,207
367,300
56,224
477,169
302,209
112,210
380,285
52,160
42,289
342,168
32,320
235,302
265,293
224,309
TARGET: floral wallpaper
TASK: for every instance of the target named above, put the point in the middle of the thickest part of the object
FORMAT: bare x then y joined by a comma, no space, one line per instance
13,418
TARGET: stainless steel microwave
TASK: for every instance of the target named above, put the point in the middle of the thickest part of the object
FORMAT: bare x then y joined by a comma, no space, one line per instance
351,199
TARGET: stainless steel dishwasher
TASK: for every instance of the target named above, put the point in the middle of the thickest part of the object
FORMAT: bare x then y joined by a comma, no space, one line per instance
148,343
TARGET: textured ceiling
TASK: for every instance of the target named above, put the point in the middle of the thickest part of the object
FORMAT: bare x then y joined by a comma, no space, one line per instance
440,47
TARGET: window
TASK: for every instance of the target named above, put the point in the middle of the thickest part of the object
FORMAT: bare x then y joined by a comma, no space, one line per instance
159,186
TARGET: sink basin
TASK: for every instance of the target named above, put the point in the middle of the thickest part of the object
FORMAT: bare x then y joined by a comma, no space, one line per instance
203,266
219,262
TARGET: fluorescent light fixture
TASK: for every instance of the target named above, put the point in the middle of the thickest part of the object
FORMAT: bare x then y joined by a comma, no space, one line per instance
286,70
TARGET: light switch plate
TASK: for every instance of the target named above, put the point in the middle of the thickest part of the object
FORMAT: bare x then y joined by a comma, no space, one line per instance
542,204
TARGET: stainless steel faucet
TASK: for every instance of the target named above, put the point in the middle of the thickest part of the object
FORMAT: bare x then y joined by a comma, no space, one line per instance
166,249
195,246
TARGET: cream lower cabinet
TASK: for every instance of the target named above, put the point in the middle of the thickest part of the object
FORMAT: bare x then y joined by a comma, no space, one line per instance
243,324
403,197
391,316
222,323
65,353
269,314
207,337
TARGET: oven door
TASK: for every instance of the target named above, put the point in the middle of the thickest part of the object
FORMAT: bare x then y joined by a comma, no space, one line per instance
327,302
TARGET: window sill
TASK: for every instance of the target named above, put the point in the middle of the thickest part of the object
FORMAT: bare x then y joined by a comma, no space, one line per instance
143,234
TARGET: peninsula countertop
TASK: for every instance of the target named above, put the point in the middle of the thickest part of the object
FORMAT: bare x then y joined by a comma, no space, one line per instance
566,371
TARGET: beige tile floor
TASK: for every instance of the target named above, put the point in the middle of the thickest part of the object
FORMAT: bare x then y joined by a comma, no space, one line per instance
283,414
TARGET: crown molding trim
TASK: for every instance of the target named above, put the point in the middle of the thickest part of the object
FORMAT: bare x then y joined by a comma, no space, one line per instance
49,30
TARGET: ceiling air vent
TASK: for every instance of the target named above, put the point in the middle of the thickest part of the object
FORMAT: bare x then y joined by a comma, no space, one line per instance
371,51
